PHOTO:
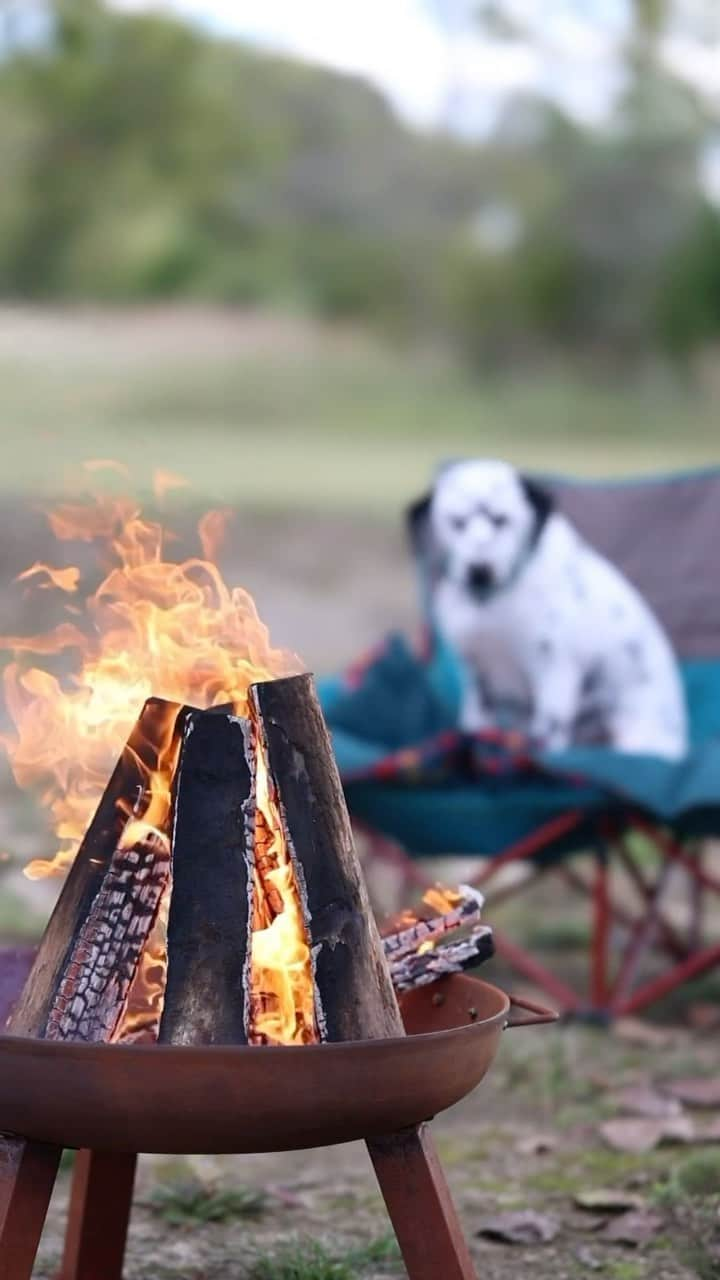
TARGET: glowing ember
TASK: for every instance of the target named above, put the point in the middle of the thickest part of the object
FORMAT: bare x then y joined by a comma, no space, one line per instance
159,628
283,1001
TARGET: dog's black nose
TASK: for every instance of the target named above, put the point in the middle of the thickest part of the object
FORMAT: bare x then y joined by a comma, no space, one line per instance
480,577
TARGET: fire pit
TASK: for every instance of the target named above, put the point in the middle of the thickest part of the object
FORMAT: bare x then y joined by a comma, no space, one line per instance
112,1101
212,979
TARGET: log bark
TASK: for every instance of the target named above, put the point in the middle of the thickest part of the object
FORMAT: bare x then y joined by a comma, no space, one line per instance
405,941
418,969
94,988
355,996
206,998
87,874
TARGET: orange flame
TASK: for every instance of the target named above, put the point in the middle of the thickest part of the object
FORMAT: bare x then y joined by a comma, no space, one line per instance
176,631
283,1005
152,627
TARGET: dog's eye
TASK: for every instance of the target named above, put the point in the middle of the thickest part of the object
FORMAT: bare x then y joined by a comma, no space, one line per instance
500,521
458,522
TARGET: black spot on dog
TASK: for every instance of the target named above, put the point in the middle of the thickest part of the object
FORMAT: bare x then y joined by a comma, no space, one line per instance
545,647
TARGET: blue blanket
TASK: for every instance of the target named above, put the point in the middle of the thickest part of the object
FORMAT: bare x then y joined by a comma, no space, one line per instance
408,772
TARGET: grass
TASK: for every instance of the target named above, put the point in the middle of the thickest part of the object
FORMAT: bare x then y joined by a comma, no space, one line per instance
18,922
696,1177
190,1201
284,413
311,1260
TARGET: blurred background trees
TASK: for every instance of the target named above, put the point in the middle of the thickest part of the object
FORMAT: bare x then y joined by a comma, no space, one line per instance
141,158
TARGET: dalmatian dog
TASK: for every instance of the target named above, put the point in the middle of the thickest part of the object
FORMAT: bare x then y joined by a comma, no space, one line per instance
552,638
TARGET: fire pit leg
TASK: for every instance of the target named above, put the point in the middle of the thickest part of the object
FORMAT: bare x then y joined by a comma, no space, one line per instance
27,1177
99,1215
418,1201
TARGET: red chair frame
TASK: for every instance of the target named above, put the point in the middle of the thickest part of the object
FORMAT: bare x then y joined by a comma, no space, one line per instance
615,985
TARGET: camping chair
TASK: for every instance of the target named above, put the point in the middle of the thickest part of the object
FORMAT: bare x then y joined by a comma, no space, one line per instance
422,789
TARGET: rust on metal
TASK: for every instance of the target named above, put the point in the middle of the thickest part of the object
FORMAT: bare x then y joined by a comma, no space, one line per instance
420,1208
98,1216
234,1099
27,1176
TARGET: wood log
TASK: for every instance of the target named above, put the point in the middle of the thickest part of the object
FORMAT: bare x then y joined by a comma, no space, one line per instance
94,988
87,875
420,968
355,999
404,941
206,996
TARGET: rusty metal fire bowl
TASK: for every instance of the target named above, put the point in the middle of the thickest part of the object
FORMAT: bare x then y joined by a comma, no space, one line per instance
217,1099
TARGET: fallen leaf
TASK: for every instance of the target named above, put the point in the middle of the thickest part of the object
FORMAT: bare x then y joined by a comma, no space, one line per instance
643,1134
644,1033
521,1226
588,1259
710,1131
605,1200
633,1228
703,1017
695,1093
590,1221
641,1100
536,1144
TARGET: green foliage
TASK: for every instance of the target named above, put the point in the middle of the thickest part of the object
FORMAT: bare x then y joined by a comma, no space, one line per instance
188,1200
697,1176
311,1260
142,158
688,304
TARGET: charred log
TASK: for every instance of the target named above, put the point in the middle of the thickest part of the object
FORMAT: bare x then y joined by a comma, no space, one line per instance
94,988
355,996
208,927
417,969
87,877
423,933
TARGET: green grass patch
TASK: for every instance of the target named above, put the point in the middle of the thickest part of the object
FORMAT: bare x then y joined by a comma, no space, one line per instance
559,935
18,921
189,1201
312,1260
306,417
695,1177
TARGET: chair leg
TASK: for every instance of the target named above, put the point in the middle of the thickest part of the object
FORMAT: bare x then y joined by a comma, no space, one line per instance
99,1215
600,935
418,1201
27,1177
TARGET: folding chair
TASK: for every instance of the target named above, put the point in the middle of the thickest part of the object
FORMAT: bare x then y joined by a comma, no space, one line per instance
421,789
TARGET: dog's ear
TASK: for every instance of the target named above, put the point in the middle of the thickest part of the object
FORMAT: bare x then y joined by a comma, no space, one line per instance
541,501
418,523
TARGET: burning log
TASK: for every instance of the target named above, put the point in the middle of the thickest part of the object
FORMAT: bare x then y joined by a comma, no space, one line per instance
208,926
87,919
423,950
108,949
217,897
417,969
422,933
355,997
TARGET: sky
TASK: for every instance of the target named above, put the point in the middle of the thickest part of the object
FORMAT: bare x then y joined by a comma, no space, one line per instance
437,70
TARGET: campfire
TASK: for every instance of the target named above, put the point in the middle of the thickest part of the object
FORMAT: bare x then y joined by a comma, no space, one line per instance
212,978
213,894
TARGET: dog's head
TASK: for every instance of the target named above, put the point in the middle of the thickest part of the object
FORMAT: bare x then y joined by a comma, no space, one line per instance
484,517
